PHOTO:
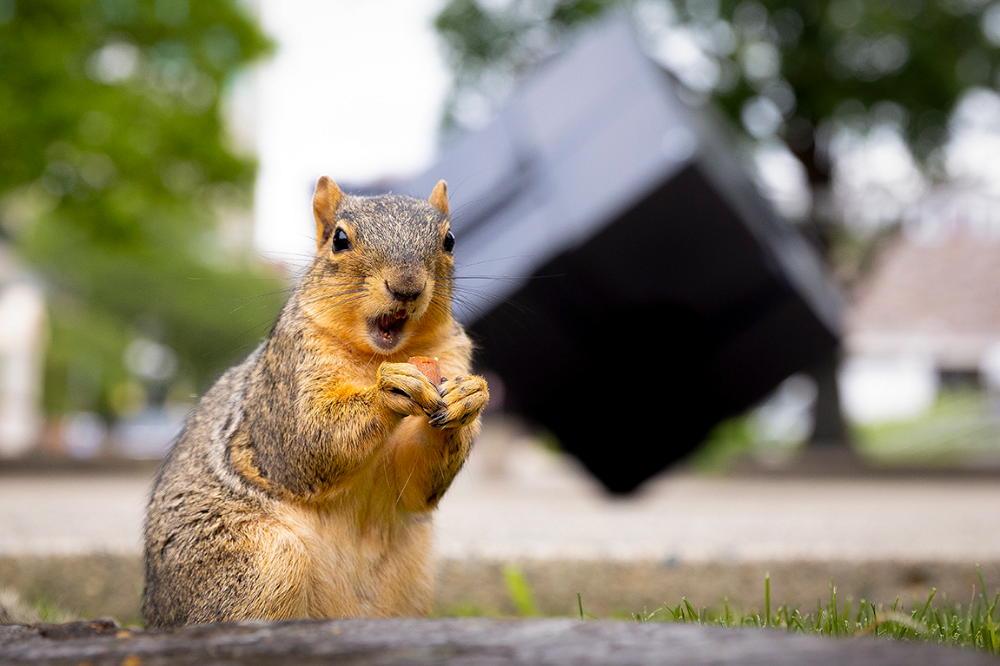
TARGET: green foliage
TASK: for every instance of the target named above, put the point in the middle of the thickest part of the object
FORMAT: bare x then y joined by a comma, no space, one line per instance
476,37
114,171
112,107
726,442
918,55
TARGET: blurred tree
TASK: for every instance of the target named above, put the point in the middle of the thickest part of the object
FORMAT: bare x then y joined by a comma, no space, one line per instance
778,68
783,70
115,170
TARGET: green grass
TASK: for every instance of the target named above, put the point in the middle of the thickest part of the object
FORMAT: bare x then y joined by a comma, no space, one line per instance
725,443
976,625
956,428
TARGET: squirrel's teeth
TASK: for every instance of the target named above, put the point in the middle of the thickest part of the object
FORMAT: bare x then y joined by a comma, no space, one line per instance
387,328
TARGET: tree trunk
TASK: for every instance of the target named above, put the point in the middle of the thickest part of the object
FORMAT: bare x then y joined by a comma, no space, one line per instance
830,429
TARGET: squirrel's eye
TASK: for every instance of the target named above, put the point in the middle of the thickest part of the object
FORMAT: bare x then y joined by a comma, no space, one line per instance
340,241
449,242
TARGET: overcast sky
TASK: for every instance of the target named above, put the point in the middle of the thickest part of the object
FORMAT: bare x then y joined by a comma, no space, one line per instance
354,91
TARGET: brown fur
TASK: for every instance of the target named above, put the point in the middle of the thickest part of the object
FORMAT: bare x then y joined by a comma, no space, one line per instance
304,481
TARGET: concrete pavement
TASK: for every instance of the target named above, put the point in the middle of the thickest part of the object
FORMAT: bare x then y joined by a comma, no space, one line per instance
531,503
683,533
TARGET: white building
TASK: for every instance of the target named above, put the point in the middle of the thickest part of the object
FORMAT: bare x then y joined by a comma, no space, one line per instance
23,337
929,309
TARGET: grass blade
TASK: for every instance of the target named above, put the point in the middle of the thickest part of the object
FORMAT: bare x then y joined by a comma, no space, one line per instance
519,590
767,598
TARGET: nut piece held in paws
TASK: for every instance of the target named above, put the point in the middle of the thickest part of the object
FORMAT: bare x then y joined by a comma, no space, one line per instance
428,367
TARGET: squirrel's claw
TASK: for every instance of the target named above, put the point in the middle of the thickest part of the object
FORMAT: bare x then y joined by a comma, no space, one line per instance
464,399
406,391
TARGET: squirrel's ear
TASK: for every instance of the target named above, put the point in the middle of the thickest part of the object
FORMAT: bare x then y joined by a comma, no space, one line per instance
439,197
325,203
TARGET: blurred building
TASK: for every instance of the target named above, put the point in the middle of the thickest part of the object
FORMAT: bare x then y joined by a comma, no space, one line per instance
23,336
929,311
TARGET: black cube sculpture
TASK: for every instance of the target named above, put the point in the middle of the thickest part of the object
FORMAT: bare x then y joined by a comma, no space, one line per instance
617,267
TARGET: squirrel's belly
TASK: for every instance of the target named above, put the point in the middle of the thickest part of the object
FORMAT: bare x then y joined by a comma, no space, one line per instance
382,570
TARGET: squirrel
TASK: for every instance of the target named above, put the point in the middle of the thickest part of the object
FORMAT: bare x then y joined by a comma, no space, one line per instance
303,483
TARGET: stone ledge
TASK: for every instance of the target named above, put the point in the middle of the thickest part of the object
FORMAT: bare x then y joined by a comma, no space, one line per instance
456,641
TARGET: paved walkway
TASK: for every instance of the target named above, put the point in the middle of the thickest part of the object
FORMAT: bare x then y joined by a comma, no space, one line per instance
534,504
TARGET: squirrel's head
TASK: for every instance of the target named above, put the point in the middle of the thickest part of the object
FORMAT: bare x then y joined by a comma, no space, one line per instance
382,273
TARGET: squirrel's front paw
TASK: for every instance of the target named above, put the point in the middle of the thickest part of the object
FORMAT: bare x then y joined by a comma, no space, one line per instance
406,391
464,398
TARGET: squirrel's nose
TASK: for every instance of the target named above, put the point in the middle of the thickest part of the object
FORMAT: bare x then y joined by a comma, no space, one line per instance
404,293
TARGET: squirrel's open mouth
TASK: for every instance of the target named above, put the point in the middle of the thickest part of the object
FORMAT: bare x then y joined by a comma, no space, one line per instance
387,329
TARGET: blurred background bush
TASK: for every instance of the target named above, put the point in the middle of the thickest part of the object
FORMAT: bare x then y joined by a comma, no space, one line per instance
128,201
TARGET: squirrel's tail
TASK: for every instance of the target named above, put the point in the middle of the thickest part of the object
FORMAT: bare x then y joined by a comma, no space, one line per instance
15,610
